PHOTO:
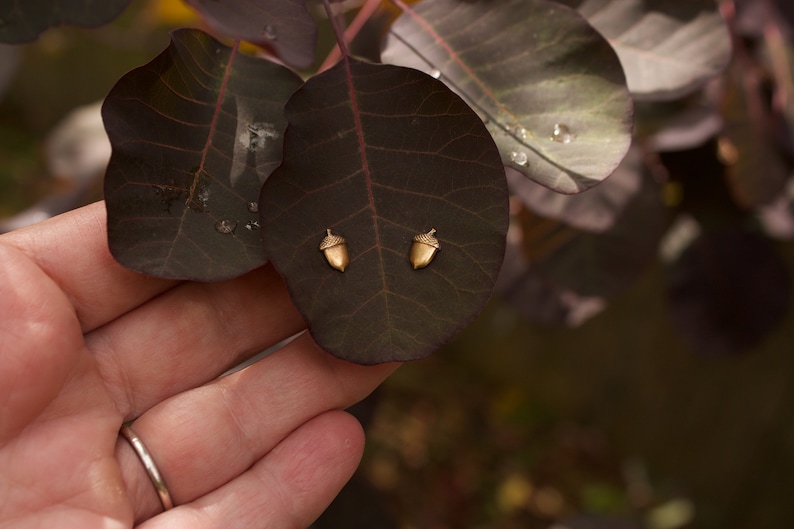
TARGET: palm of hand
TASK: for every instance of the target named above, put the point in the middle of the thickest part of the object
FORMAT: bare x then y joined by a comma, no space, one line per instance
86,345
59,429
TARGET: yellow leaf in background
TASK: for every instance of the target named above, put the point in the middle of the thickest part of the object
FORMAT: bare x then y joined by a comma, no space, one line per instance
514,493
172,12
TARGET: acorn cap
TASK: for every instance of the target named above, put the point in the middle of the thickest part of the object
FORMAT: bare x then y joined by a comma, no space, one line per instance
428,239
331,240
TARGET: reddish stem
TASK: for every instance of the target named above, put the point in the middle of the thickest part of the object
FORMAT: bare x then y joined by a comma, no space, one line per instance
364,14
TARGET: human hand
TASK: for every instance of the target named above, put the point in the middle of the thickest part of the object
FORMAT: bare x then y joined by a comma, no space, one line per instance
86,345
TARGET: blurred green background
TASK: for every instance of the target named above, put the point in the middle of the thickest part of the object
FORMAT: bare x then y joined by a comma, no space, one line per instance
512,425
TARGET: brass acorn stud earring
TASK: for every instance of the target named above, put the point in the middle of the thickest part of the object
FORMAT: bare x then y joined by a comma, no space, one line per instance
334,248
423,249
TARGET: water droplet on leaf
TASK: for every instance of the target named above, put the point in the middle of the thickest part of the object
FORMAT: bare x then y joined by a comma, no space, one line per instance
562,134
519,158
226,227
256,135
168,194
252,225
199,194
269,32
253,207
435,74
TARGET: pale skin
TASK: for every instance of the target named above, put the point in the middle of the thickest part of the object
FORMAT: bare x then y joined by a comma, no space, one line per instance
86,345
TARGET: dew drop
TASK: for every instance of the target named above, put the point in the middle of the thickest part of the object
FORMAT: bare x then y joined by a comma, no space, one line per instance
562,134
435,74
226,227
257,135
199,195
253,207
521,132
269,32
519,158
252,225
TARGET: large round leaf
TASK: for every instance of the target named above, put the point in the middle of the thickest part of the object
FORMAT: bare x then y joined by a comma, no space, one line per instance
549,87
24,21
728,291
378,154
194,134
667,48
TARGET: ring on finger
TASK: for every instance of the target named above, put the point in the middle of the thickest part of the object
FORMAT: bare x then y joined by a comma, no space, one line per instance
149,465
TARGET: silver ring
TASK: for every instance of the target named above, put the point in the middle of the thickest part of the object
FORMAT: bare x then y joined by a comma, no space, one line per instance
150,466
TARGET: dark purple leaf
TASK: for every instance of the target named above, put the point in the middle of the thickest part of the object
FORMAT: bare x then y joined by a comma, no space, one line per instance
10,57
548,86
756,168
728,291
194,133
285,26
596,210
537,298
754,18
677,125
23,21
786,9
597,264
667,48
378,154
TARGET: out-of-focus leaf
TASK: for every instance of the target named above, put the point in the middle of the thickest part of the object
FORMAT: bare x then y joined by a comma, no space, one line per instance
378,154
756,170
778,217
678,125
597,264
286,26
538,299
728,291
753,18
9,59
595,210
23,21
777,57
786,9
78,148
667,49
194,133
683,230
548,86
77,152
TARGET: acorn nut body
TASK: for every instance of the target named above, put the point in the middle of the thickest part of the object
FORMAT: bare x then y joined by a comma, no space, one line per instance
423,249
334,248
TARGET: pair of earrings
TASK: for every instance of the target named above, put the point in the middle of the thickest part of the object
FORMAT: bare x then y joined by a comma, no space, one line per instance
423,249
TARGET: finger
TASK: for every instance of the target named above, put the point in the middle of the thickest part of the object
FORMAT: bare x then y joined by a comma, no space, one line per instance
289,487
190,335
39,341
205,437
73,250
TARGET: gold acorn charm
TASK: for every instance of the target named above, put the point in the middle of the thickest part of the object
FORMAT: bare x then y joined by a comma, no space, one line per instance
334,248
423,249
